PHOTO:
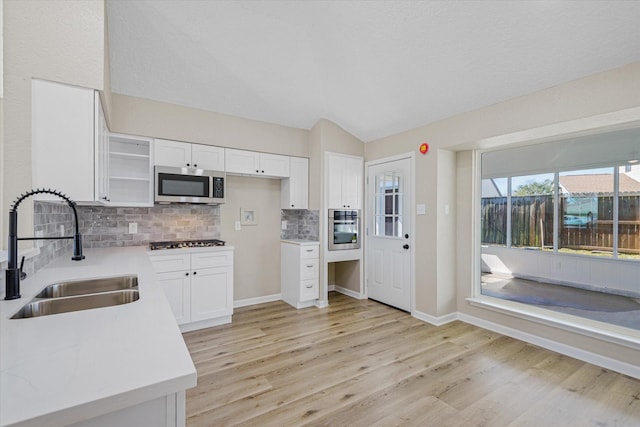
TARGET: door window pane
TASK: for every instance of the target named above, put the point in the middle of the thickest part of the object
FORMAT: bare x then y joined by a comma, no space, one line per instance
532,211
388,205
585,224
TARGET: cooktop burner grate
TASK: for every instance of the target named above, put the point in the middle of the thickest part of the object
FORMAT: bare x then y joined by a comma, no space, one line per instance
154,246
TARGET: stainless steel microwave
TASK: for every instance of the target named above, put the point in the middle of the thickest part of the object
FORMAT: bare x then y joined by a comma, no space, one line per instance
189,185
344,229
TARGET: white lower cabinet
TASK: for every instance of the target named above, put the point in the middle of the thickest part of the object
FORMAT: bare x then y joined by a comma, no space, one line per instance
166,411
299,272
177,288
199,286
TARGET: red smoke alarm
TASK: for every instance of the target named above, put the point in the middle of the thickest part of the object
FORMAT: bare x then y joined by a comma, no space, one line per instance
424,147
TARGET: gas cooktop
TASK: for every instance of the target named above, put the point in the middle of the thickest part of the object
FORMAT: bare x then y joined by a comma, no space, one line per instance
154,246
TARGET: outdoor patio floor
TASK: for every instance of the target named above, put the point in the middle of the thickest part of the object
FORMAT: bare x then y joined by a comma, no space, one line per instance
600,306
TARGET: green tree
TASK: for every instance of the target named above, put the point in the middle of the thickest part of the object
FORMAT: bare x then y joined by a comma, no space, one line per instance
535,188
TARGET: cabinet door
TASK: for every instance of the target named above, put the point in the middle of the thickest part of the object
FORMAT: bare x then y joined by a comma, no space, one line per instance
344,181
335,169
172,153
176,286
207,157
211,293
102,154
274,165
63,140
242,162
295,189
352,173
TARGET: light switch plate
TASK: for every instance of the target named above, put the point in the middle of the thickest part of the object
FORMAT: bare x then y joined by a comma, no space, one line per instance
421,209
237,226
283,225
133,227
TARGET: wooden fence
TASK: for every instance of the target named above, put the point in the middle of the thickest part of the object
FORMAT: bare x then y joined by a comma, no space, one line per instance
532,224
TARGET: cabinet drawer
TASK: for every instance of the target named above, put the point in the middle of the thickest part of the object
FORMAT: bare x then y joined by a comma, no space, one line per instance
309,252
170,262
309,290
309,269
211,259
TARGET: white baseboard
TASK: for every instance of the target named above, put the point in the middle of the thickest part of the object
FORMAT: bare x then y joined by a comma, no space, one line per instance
433,320
209,323
348,292
257,300
577,353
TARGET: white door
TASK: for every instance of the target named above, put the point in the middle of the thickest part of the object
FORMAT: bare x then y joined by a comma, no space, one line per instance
389,232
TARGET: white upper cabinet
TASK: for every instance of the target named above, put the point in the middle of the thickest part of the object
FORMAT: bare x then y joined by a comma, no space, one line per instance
207,157
172,153
345,179
295,189
244,162
63,140
184,154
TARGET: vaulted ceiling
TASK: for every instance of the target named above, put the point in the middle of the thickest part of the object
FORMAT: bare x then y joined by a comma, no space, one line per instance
373,67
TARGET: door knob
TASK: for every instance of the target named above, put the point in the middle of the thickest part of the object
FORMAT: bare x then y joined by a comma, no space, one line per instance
405,246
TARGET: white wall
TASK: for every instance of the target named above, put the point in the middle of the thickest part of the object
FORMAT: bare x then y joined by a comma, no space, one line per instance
257,247
563,107
145,117
52,40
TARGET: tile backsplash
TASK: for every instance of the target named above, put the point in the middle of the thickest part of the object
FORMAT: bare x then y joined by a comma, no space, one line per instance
109,227
301,224
103,227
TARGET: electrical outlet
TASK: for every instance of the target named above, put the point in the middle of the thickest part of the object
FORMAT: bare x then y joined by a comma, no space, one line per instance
283,225
133,227
237,226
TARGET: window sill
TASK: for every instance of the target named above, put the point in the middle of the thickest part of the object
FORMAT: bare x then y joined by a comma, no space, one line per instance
599,330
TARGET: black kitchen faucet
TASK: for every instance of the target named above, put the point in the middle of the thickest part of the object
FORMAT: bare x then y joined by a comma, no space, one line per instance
14,274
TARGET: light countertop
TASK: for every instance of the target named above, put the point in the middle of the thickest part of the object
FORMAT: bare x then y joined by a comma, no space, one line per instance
60,369
301,242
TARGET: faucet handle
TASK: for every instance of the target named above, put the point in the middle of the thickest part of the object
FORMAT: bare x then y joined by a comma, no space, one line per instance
23,275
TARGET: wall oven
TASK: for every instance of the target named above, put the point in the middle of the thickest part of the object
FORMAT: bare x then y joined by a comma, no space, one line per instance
344,229
189,185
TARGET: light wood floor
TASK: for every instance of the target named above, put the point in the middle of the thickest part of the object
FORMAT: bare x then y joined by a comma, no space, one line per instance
360,363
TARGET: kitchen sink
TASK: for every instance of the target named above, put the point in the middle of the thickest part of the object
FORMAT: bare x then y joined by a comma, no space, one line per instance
89,286
43,307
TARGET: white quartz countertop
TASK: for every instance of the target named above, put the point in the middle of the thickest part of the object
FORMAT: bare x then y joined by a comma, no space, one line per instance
300,242
60,369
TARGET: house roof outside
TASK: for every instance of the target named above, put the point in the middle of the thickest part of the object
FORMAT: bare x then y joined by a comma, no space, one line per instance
597,183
